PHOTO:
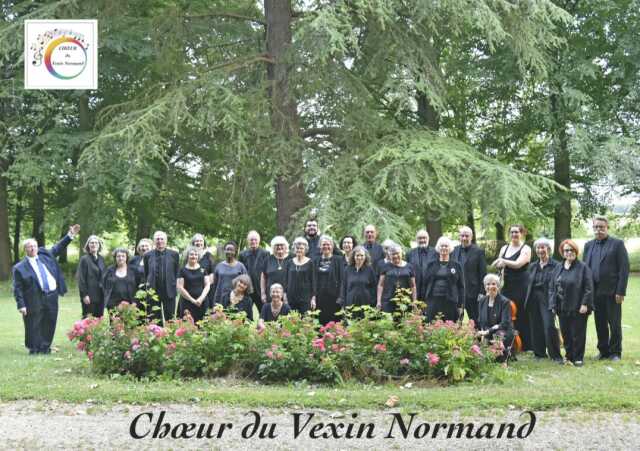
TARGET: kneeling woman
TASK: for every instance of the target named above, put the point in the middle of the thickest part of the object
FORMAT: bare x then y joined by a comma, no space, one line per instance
238,300
571,297
193,285
274,309
443,285
494,314
119,281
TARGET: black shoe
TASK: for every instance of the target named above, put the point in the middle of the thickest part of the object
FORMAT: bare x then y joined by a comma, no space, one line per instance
33,351
559,360
602,357
578,363
614,358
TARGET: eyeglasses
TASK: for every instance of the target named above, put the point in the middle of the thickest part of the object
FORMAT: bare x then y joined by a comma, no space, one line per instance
569,250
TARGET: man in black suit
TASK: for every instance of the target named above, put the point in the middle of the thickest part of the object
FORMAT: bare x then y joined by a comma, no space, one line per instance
609,262
37,283
253,259
420,256
161,266
370,244
474,266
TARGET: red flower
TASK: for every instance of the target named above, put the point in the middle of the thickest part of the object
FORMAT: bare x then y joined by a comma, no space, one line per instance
181,331
380,347
318,343
433,359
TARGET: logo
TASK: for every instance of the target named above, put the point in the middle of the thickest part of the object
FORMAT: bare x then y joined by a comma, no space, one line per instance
61,54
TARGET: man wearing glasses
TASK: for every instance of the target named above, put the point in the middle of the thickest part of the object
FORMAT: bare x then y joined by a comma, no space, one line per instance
609,262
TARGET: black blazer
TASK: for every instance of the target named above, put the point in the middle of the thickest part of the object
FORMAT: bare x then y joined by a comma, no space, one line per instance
614,266
569,289
171,269
474,269
456,292
137,268
534,267
108,281
245,305
502,306
90,278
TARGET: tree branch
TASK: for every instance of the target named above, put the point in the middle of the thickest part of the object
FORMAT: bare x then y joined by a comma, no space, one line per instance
319,131
229,15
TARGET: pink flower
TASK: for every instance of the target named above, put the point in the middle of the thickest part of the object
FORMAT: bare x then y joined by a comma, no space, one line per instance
329,336
269,354
404,361
274,347
135,347
380,347
127,355
318,343
335,348
285,333
89,338
476,350
181,331
90,355
433,359
327,326
80,346
171,346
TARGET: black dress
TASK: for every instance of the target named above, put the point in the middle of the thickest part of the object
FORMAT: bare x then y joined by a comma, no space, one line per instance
137,265
194,282
90,272
395,277
515,289
275,271
117,289
301,285
245,305
266,314
359,286
329,274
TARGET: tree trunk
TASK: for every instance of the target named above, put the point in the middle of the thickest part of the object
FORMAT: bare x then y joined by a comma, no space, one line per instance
5,243
471,223
561,174
17,225
434,225
144,221
63,257
499,237
290,194
37,206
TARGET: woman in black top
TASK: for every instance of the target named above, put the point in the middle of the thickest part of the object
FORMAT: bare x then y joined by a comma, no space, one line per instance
238,299
137,262
119,282
443,285
571,298
193,285
90,271
397,273
514,261
494,314
347,245
329,270
301,283
275,268
360,281
205,259
276,308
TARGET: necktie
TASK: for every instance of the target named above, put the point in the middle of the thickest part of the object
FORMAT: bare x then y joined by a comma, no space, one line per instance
43,276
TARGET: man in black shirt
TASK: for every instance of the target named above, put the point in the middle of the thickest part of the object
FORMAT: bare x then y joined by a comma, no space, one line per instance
375,250
420,256
474,266
253,259
161,267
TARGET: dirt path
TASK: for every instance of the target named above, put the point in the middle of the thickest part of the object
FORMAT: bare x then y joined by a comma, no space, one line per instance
53,425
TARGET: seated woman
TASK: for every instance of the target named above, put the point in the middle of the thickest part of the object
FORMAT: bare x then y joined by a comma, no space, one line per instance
119,281
443,284
238,299
193,285
494,314
275,308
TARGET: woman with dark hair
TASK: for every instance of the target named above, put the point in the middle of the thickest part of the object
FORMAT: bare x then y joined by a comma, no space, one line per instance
119,281
571,298
193,285
276,307
494,314
329,270
137,262
238,299
514,261
90,270
301,282
360,280
275,268
347,244
225,272
443,284
395,274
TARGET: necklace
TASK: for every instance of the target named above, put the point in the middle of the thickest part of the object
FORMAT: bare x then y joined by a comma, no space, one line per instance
280,260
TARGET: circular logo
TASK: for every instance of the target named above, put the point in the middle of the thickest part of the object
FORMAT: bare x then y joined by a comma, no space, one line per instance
65,58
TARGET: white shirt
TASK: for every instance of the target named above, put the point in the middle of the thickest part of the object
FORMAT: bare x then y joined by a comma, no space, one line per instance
52,281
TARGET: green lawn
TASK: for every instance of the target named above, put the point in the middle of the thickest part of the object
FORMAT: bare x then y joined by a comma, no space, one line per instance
66,376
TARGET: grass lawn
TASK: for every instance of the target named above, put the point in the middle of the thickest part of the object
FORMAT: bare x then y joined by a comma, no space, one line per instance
66,376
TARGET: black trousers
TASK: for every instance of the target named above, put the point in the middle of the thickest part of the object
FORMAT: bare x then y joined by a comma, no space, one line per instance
574,334
95,309
165,307
40,323
471,307
544,334
443,307
255,297
608,318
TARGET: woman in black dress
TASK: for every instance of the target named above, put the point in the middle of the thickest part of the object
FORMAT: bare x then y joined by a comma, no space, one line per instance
119,282
360,280
397,273
301,283
443,285
571,298
276,308
225,272
90,271
514,261
206,260
494,314
238,299
347,244
137,262
193,285
329,271
275,268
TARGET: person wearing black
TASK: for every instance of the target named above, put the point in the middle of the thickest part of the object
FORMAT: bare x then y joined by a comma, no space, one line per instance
206,260
571,298
395,275
608,260
272,310
373,248
474,267
443,285
311,234
253,259
301,282
90,270
137,262
119,281
193,284
347,244
494,315
513,261
544,334
161,267
329,271
360,281
274,269
421,255
225,272
238,299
